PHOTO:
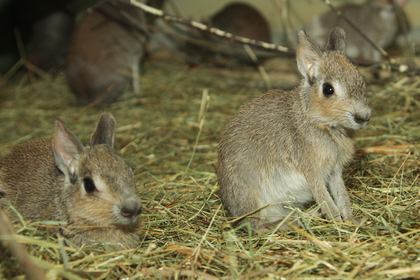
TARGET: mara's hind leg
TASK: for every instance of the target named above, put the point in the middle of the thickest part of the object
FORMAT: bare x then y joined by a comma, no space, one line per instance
135,72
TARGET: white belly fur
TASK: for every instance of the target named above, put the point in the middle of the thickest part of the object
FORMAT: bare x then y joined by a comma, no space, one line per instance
291,188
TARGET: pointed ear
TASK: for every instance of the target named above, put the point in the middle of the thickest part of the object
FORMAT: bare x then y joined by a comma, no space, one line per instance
67,149
337,40
308,57
104,133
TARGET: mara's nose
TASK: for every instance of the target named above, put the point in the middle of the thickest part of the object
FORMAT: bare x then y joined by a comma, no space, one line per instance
361,119
363,115
131,207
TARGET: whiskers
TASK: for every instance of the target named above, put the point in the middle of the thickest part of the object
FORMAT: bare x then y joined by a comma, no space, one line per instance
96,215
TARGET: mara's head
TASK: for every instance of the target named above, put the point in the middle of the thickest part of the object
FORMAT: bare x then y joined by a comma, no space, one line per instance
333,89
99,187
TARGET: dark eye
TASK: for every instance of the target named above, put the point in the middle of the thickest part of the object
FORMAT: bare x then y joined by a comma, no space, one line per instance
328,89
89,184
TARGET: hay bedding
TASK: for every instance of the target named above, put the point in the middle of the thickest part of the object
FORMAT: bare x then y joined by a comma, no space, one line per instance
187,233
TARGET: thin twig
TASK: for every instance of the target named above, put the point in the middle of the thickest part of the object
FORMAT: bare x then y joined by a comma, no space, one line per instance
197,250
203,116
211,30
133,22
259,66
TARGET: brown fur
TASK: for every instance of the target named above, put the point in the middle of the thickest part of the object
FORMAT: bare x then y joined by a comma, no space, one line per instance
105,52
238,19
377,19
242,20
35,182
288,148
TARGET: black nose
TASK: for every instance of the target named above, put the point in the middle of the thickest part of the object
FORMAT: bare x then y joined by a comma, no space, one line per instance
130,212
130,206
360,119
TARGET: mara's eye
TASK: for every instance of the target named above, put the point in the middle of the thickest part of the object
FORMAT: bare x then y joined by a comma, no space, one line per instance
327,89
89,184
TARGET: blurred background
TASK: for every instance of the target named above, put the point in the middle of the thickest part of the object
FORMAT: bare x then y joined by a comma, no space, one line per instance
27,25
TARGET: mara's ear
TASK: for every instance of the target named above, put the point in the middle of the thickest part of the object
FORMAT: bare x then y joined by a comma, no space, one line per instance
308,57
337,40
67,149
104,133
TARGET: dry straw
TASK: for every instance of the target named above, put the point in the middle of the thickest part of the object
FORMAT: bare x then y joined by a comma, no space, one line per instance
187,232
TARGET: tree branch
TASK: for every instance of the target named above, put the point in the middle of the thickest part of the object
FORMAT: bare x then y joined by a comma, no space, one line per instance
395,67
211,30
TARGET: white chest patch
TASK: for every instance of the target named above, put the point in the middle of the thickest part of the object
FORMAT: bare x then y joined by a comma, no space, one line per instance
387,14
